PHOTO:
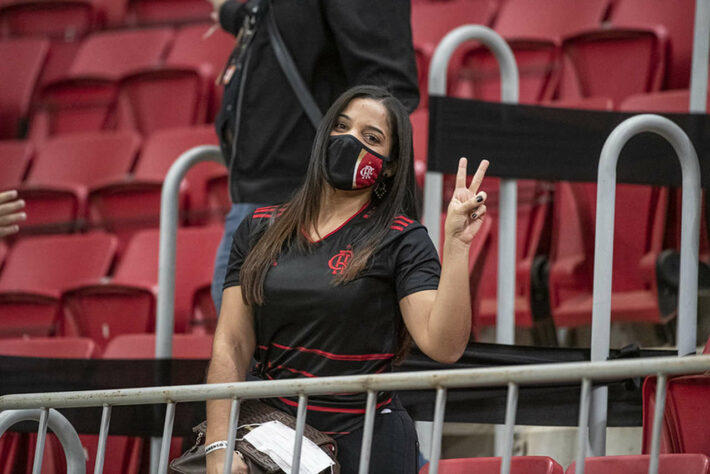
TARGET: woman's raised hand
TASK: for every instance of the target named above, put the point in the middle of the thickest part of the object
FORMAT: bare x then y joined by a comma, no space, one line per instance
467,208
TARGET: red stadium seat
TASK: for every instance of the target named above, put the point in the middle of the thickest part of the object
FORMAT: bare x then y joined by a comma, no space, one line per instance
147,98
431,21
15,157
129,202
98,308
21,62
149,12
38,269
84,99
420,130
676,18
533,212
65,167
49,347
535,35
638,239
519,465
61,19
667,464
142,346
707,347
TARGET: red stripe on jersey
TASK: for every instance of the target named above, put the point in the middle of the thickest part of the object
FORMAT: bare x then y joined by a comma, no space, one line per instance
405,219
336,432
263,347
265,208
400,222
330,355
340,227
296,371
257,216
333,409
396,227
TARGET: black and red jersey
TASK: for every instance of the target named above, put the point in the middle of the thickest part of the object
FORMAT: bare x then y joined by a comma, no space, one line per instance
310,327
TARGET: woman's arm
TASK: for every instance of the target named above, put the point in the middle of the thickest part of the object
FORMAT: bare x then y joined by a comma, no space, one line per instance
440,320
232,351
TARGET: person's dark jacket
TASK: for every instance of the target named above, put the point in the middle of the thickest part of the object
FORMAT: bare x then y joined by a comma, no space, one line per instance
336,44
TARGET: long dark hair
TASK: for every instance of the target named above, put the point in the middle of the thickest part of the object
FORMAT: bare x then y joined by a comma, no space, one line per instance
301,212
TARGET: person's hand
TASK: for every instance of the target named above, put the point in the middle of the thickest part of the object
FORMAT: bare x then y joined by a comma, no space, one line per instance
467,208
10,213
215,463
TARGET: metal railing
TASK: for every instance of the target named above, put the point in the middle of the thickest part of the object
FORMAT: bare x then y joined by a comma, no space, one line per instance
513,377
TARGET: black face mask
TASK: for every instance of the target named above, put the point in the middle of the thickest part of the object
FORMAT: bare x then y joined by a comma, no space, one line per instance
350,164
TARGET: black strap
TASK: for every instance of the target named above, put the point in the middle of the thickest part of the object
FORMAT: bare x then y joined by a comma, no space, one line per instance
289,68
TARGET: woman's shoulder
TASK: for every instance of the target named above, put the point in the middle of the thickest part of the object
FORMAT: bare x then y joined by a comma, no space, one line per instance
404,229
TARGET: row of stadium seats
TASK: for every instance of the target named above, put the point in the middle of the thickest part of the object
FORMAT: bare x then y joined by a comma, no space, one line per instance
141,80
75,285
128,79
110,180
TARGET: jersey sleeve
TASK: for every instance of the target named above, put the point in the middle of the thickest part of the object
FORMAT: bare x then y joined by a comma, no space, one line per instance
416,265
241,244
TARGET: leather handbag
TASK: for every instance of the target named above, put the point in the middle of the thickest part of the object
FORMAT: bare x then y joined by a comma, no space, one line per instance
251,412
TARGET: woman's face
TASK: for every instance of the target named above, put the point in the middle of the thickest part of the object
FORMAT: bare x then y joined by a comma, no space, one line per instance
366,120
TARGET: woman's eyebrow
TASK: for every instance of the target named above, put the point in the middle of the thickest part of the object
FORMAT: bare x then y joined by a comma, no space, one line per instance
372,127
344,116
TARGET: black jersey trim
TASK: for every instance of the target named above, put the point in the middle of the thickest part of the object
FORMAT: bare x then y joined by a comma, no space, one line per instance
333,356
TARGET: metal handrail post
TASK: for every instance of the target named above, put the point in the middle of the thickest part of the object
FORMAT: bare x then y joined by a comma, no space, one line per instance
65,432
658,411
505,326
699,71
165,311
604,247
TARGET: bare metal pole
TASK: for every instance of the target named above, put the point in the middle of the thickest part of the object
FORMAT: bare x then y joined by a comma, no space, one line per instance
41,438
658,411
699,71
103,437
583,425
604,248
437,430
167,437
232,435
300,427
165,308
368,429
510,415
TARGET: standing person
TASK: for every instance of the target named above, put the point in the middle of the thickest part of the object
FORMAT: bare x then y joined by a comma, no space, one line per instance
335,44
335,281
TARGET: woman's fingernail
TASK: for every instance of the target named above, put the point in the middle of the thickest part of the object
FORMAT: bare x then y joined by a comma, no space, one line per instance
479,198
474,215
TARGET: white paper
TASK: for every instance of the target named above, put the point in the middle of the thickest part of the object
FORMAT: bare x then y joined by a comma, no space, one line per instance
276,440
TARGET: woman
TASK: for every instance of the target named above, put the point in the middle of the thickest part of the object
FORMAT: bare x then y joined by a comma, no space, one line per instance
335,281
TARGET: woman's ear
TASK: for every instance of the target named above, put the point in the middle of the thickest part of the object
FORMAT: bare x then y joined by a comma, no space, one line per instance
390,170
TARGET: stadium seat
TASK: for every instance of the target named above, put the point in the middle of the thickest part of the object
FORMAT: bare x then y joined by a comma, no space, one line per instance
126,304
420,132
147,98
638,239
21,63
519,465
676,18
57,187
667,464
129,202
15,157
49,347
534,34
84,99
62,19
685,417
142,346
531,241
150,12
431,21
707,347
36,271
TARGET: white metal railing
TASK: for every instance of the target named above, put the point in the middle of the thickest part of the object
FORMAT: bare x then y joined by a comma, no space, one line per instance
441,381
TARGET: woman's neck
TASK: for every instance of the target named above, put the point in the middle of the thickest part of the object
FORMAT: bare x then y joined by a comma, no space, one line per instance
337,206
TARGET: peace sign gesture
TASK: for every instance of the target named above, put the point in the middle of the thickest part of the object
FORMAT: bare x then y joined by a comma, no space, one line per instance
467,207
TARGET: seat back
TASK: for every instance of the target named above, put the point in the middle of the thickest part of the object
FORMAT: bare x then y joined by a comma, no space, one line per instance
142,346
667,464
56,262
21,62
49,347
15,157
554,19
518,465
150,12
689,409
677,19
60,19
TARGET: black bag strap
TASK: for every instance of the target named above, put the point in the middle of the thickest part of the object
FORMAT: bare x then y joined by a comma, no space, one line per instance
289,68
